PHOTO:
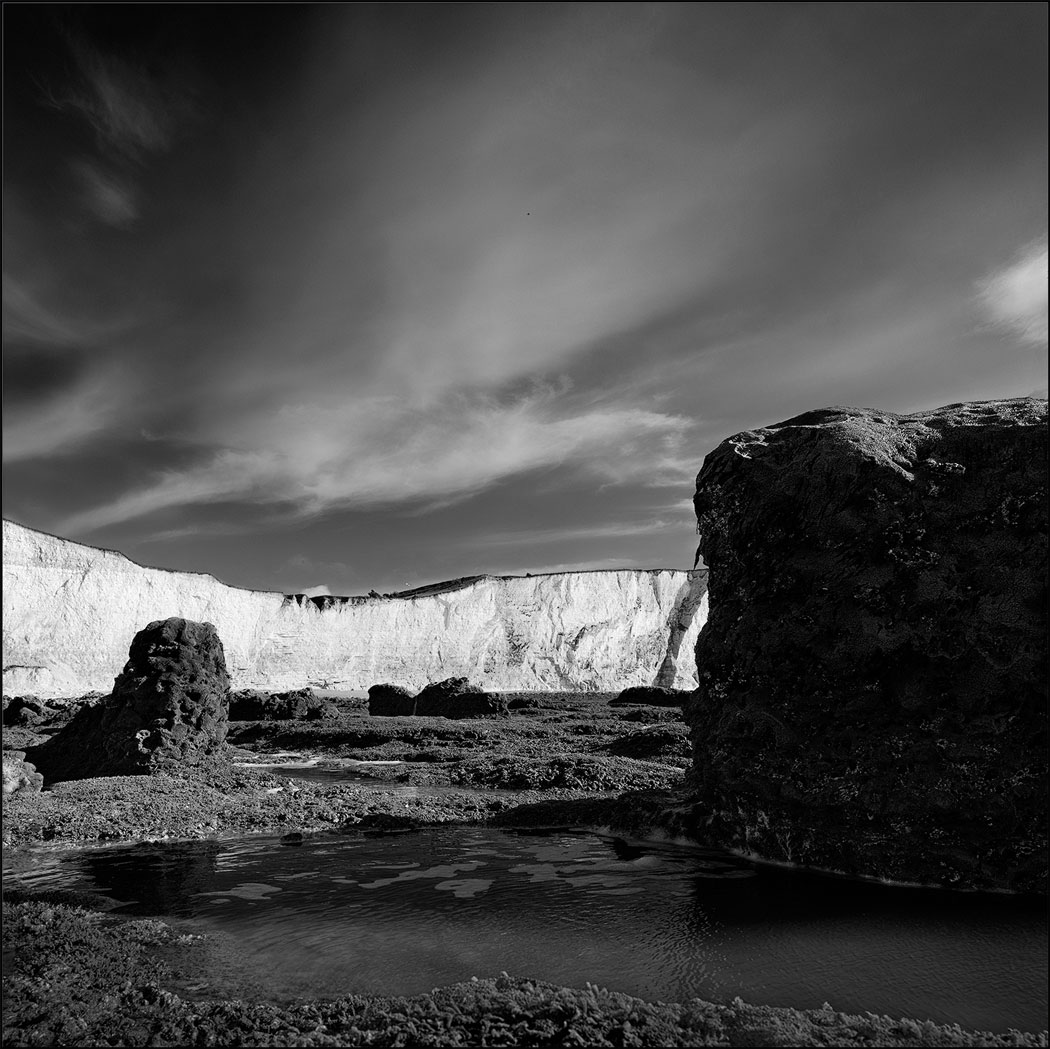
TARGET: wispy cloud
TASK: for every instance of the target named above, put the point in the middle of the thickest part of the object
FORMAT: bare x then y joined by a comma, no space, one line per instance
597,565
61,425
540,536
130,110
110,196
383,452
582,243
27,318
171,535
1015,297
134,111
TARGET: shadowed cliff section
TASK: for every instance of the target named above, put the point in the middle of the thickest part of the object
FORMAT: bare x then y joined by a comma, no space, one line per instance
872,676
688,605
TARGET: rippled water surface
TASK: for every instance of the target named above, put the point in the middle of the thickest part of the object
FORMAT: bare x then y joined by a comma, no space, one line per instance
405,913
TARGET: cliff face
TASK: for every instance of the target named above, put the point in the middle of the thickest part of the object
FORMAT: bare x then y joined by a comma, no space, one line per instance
71,611
872,685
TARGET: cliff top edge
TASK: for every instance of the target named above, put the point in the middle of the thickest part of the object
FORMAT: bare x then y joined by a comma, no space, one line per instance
322,600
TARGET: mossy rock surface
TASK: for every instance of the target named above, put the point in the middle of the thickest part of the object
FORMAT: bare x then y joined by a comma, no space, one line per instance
873,672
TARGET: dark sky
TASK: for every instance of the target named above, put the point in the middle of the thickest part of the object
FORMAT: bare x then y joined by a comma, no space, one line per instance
362,296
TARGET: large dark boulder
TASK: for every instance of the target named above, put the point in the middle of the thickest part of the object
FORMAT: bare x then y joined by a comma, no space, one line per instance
456,697
390,701
168,708
872,674
298,705
653,695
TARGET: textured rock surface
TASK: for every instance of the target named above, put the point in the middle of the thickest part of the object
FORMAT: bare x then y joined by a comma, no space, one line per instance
169,708
26,710
456,697
653,695
19,774
298,705
669,743
390,701
872,689
70,612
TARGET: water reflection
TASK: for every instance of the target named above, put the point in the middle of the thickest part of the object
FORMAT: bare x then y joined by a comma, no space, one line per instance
156,878
403,914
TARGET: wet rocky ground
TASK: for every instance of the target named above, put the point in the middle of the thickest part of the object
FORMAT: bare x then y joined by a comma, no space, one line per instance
554,758
74,975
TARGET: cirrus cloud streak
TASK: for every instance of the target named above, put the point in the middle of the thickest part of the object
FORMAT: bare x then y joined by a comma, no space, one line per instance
312,460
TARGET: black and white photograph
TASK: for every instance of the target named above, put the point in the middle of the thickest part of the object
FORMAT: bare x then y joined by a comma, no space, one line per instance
525,524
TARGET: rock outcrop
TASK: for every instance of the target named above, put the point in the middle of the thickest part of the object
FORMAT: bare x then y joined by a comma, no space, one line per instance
26,710
70,611
19,774
455,697
298,705
651,695
872,676
390,701
168,708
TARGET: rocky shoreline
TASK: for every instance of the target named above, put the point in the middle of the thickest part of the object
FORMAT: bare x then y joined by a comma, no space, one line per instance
138,978
559,760
555,760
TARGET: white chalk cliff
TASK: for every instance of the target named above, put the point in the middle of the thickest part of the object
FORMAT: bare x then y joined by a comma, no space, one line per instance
71,611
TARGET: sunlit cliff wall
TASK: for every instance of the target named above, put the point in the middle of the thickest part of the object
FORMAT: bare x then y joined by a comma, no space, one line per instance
70,612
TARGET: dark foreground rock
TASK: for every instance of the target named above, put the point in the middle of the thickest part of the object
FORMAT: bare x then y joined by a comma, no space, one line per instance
80,978
653,695
873,669
299,705
168,708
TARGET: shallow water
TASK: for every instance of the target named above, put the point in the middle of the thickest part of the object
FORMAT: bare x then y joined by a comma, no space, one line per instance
403,914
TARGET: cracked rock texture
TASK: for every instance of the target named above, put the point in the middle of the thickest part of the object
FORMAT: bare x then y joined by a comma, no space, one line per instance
299,705
70,612
456,697
168,709
872,687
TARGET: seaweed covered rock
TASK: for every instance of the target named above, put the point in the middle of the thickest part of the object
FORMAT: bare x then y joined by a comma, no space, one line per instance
668,743
169,707
456,697
653,695
872,673
26,711
19,774
298,705
390,701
